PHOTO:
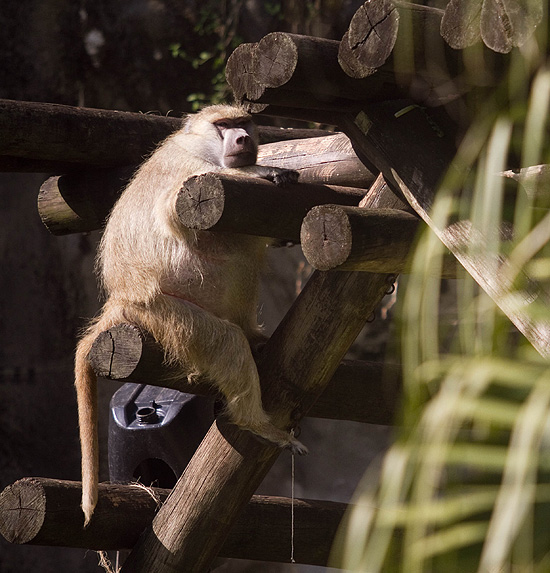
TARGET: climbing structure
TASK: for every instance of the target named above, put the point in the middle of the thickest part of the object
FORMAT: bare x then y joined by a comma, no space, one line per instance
402,100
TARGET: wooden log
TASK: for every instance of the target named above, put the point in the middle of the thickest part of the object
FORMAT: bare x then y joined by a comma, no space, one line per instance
80,201
502,26
370,38
424,151
220,202
52,138
239,73
42,511
263,531
358,391
285,67
334,237
399,34
328,160
371,240
272,134
534,180
79,135
404,38
128,354
414,170
296,365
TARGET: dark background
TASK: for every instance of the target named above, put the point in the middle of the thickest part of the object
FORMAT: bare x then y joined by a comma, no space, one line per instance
136,55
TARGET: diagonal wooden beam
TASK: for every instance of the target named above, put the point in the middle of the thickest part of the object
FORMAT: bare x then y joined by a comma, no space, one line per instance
296,366
414,147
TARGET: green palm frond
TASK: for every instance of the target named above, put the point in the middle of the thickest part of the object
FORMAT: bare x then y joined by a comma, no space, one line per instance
466,485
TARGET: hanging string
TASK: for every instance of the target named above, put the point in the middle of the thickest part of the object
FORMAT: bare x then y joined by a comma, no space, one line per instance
292,475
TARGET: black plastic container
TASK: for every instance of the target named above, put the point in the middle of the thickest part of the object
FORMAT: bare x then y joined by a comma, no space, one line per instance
154,432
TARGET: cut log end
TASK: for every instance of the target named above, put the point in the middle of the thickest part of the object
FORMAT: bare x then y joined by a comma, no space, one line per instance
326,237
22,511
116,352
351,65
200,202
239,73
373,31
276,60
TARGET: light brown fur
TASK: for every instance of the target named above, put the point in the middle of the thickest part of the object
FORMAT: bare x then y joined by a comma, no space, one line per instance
195,292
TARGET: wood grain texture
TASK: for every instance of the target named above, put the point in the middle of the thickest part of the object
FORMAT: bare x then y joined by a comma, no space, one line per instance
414,148
403,41
42,511
370,38
296,365
359,391
53,138
355,238
80,201
286,68
328,160
220,202
501,25
79,135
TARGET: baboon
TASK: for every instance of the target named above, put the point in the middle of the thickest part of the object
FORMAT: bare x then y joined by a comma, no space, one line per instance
195,291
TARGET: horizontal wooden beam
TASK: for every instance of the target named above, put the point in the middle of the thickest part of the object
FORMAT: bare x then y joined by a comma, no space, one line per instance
79,201
287,70
282,68
352,238
359,391
403,39
220,202
42,511
53,138
79,136
335,237
328,160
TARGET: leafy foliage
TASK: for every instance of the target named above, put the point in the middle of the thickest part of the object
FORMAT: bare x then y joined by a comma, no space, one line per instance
217,21
466,486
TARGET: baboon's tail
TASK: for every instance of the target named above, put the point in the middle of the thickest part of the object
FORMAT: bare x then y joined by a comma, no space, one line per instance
86,393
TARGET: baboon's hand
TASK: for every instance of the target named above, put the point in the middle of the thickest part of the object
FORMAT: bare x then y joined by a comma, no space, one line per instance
283,177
